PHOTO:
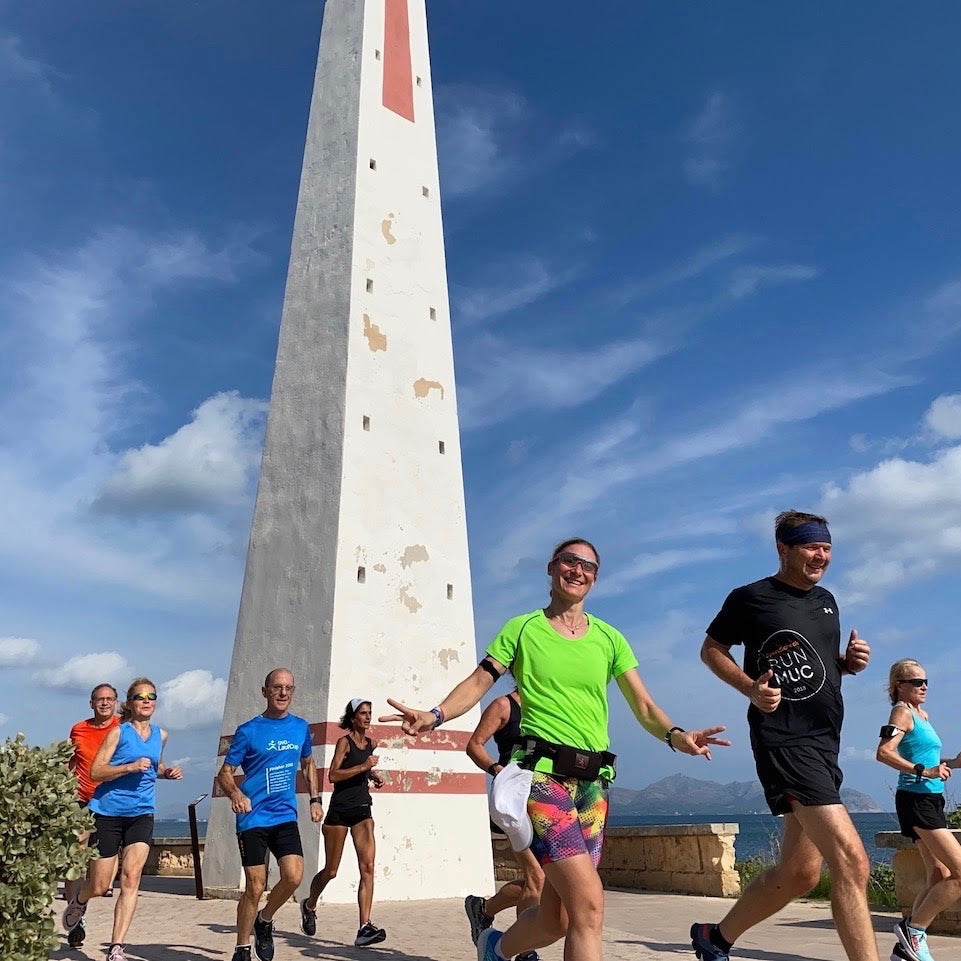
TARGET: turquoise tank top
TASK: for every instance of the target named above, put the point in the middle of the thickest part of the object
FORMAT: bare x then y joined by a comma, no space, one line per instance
921,746
131,794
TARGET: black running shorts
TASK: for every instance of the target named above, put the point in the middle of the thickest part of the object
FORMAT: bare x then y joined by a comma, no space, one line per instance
280,839
802,773
114,833
348,817
917,810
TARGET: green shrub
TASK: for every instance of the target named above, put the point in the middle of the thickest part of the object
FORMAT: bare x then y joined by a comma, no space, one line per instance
880,883
881,886
40,821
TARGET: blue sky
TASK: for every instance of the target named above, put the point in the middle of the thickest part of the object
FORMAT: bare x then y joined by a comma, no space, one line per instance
703,267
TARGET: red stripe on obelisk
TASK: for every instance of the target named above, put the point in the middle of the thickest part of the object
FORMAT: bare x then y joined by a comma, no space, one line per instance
398,782
386,736
398,78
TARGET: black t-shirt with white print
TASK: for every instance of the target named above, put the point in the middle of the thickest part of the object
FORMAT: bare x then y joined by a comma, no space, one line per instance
797,634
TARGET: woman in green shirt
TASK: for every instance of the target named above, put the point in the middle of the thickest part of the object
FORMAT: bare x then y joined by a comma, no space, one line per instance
562,659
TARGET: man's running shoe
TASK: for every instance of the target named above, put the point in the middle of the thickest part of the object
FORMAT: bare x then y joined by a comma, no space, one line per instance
116,953
308,919
703,947
369,934
241,953
479,919
914,941
899,954
486,944
77,933
264,938
527,956
73,914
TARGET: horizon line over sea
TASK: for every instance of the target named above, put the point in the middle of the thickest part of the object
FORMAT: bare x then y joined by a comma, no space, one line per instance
758,834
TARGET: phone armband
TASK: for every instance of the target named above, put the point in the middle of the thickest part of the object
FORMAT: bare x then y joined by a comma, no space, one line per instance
889,730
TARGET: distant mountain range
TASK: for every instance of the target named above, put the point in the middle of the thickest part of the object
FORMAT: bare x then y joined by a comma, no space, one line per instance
679,794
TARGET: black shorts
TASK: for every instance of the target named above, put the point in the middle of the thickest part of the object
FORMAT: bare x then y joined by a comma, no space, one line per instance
916,810
112,833
280,839
348,817
802,773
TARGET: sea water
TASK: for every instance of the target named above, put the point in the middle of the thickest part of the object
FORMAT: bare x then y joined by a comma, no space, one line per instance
758,834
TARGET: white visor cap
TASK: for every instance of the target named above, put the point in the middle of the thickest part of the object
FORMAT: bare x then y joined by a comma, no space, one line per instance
508,805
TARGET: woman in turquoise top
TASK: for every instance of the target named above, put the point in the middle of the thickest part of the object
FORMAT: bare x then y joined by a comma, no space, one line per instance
127,764
911,746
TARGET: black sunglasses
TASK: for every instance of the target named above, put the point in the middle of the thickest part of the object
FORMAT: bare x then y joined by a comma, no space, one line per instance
914,681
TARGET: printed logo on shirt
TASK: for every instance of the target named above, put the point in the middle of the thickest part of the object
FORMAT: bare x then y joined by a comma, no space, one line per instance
282,745
798,669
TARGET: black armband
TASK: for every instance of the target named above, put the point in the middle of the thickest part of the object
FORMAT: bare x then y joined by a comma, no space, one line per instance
486,665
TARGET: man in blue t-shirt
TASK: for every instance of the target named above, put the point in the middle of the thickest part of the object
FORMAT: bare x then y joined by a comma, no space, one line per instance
269,748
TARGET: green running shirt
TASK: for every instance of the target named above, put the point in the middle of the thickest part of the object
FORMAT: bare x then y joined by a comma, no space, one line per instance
563,681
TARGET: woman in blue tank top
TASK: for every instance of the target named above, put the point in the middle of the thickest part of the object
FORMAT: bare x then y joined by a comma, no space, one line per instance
912,747
127,764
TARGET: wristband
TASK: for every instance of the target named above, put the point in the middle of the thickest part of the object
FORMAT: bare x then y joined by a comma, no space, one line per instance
492,769
316,800
438,717
918,773
667,737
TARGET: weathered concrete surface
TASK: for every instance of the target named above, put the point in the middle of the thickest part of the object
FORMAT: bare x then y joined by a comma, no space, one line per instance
357,574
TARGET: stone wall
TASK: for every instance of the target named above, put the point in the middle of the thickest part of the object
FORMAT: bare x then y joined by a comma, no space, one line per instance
909,878
171,858
680,858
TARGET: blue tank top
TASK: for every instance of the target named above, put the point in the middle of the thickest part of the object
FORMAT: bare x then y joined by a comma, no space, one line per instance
921,745
131,794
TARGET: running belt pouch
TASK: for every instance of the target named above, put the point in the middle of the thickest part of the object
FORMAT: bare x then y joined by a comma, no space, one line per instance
566,761
571,762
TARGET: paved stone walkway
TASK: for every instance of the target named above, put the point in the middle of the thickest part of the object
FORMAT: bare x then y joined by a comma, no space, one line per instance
172,925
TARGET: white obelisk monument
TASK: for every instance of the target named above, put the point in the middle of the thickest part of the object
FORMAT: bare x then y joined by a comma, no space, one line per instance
357,573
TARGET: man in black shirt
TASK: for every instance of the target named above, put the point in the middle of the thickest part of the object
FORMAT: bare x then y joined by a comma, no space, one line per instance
791,633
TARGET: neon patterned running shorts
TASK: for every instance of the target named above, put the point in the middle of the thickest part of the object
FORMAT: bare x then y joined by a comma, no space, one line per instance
568,815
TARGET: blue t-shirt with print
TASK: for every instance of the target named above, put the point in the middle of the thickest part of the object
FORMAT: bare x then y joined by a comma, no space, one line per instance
270,751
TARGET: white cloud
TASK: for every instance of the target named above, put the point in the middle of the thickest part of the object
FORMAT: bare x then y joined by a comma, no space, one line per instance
18,651
946,297
943,417
710,135
749,279
206,465
82,672
903,520
609,459
649,565
473,128
68,341
507,379
3,719
521,283
192,699
701,261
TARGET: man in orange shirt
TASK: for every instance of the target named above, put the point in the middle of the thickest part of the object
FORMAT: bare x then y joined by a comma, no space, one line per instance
87,737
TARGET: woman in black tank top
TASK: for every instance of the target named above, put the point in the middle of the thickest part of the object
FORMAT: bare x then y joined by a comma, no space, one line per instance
351,773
